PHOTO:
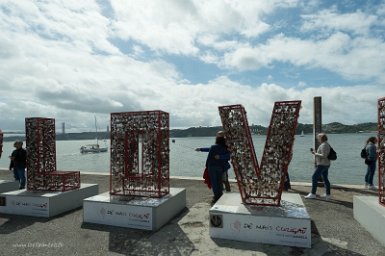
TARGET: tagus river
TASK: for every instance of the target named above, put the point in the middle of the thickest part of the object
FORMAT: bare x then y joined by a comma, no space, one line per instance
184,161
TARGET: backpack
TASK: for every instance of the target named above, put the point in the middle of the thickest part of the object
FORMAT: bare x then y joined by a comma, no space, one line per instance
332,154
364,153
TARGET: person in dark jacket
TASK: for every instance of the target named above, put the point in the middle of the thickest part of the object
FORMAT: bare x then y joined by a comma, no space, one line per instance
226,156
216,165
370,161
19,163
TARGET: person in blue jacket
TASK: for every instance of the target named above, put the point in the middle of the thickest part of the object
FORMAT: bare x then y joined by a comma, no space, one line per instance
217,165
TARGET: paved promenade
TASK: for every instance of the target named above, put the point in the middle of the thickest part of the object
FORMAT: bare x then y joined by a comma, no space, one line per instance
334,230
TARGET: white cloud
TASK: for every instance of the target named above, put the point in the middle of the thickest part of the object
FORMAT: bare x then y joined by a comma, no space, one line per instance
352,58
175,27
245,59
330,20
71,22
57,60
198,105
301,84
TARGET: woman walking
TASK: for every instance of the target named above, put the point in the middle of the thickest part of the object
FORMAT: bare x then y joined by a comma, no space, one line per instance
322,167
370,161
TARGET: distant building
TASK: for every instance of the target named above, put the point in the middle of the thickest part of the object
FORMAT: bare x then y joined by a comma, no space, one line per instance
63,128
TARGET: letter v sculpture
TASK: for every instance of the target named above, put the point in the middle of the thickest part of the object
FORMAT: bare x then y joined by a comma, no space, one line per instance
261,185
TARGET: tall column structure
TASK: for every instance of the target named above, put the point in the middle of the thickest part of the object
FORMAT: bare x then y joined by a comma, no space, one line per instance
63,128
317,119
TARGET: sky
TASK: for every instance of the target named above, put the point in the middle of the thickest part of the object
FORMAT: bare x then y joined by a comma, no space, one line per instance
73,60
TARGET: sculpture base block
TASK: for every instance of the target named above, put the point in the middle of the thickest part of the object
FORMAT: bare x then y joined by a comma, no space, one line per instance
45,204
6,185
140,213
371,215
288,224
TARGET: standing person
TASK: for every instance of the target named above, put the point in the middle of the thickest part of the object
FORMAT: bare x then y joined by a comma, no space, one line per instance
216,163
371,161
322,167
226,156
19,163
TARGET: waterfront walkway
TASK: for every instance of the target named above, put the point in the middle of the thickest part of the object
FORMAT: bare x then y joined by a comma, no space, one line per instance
334,230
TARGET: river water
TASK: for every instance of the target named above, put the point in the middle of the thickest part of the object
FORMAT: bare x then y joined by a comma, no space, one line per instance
184,161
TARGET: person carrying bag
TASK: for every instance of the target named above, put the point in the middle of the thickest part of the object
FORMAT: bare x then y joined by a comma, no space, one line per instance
370,161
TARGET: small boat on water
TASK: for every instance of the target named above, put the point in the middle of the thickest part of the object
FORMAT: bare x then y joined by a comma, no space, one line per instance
302,134
92,148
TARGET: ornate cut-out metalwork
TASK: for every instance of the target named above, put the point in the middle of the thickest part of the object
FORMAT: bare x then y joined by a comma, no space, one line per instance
140,154
381,151
1,142
41,158
261,185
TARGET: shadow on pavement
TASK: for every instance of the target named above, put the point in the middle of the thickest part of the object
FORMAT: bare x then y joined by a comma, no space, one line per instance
319,247
333,201
18,222
168,240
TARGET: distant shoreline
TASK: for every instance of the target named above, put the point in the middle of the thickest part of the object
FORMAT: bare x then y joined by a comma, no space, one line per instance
331,128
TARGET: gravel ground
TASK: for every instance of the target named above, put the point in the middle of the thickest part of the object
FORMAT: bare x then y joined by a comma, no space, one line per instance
334,230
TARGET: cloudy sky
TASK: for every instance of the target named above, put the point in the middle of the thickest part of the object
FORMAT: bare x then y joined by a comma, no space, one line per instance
72,60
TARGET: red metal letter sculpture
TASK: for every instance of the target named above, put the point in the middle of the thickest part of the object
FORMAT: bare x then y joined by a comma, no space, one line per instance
381,151
261,185
41,158
1,142
140,154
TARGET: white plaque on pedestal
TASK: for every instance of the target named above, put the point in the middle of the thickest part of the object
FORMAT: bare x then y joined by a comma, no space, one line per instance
6,185
45,204
288,224
371,215
140,213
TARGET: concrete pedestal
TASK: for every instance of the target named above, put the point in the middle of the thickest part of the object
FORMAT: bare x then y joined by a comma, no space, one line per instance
288,224
139,213
45,204
6,185
371,215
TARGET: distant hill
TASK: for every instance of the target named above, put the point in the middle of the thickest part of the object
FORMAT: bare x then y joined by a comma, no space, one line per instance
67,136
257,129
334,127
